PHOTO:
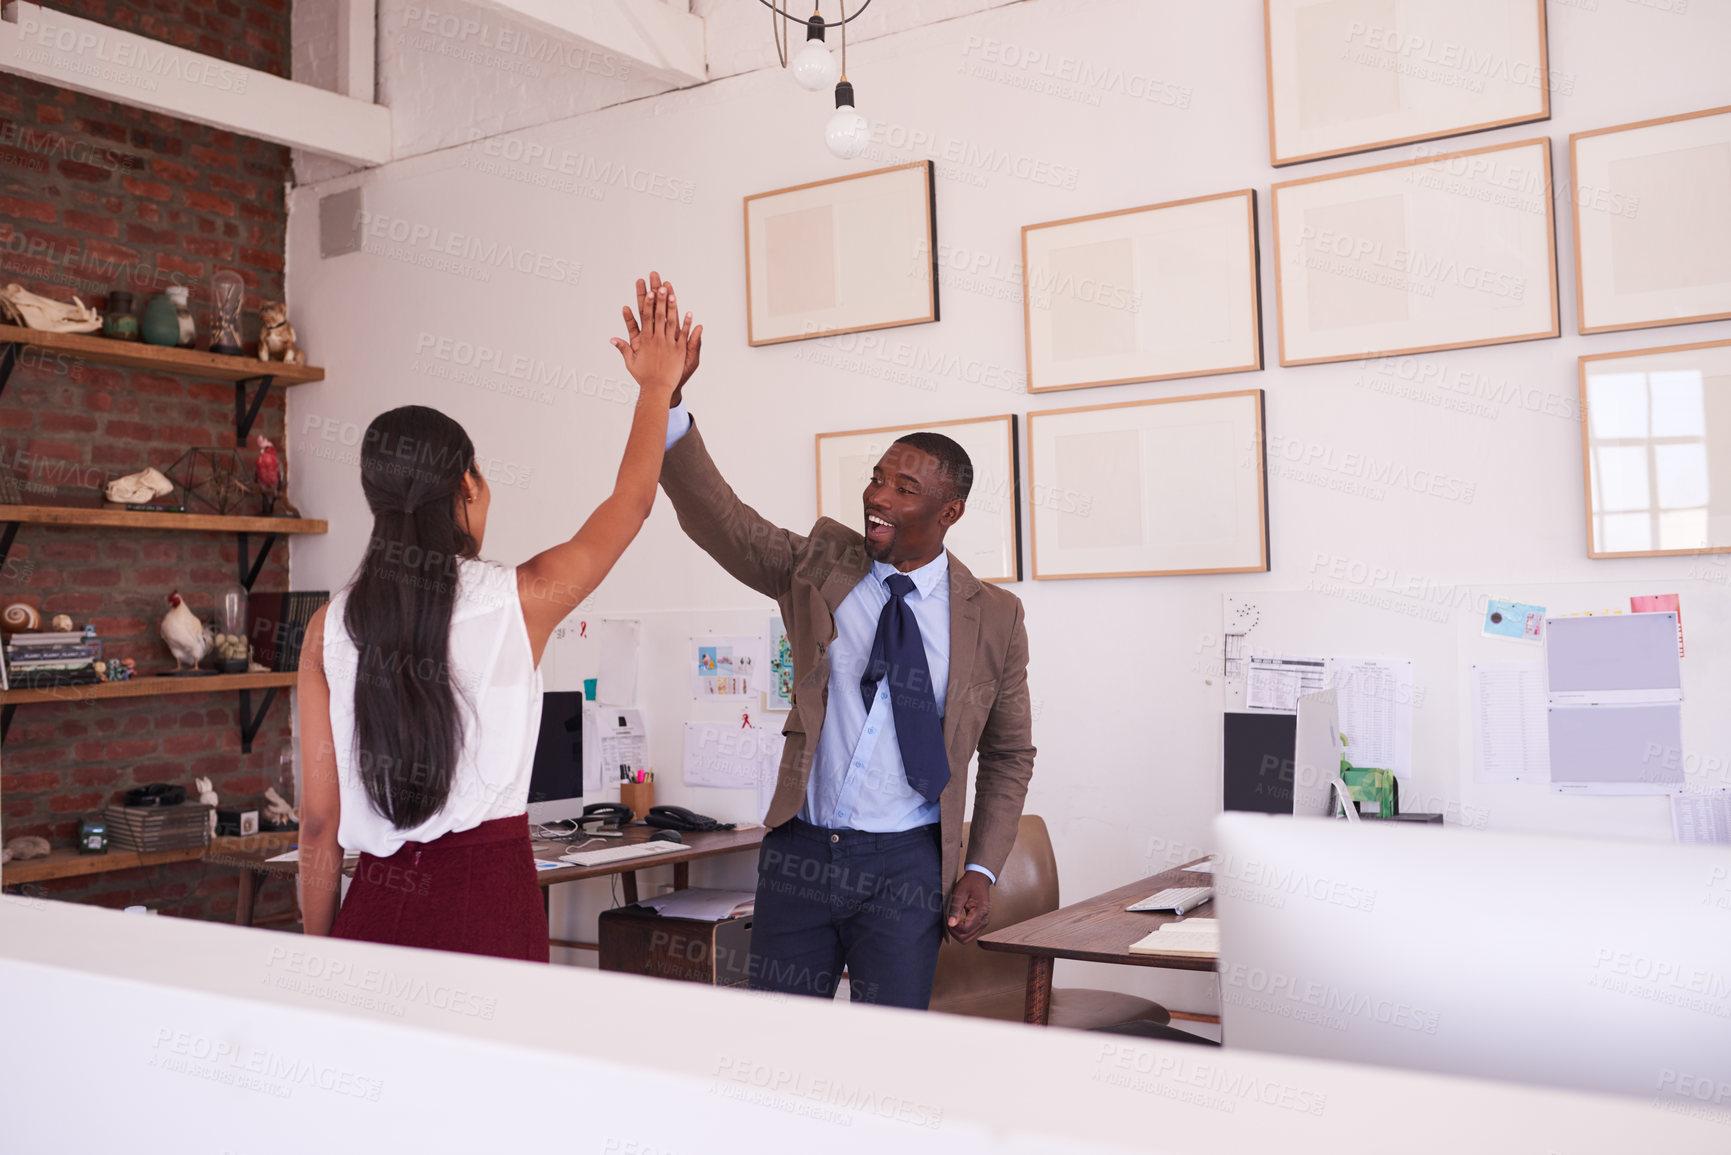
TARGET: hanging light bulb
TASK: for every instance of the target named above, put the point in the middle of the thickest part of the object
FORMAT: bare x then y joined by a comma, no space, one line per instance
847,132
813,66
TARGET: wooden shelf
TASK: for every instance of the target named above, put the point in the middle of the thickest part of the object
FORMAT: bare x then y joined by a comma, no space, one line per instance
119,517
138,355
149,686
69,863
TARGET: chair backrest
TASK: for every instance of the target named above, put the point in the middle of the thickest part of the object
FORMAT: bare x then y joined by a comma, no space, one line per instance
1027,886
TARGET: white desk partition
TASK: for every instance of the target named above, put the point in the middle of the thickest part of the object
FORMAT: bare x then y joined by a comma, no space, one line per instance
164,1035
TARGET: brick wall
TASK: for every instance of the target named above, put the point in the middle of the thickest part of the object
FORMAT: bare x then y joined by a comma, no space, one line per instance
96,196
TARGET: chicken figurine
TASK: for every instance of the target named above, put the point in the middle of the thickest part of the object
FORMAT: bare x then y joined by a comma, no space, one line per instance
267,471
184,633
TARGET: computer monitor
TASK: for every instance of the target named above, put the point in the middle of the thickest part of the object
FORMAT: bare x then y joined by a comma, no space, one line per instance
1579,963
556,784
1257,751
1316,754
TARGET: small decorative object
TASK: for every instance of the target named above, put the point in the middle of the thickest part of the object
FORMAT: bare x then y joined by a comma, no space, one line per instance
27,846
119,323
212,478
161,322
182,298
62,623
113,670
226,291
278,814
235,823
18,306
267,471
20,617
276,337
136,488
184,634
93,835
230,652
207,796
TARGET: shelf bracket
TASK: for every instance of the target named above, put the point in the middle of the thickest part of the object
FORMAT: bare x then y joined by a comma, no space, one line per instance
249,571
6,713
245,411
8,361
250,721
6,536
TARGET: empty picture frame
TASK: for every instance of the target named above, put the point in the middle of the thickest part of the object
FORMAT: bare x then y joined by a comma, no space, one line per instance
842,255
1656,450
1652,208
1149,488
988,538
1142,294
1349,75
1437,253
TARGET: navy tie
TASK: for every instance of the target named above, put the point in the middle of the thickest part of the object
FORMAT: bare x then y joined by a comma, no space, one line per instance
899,653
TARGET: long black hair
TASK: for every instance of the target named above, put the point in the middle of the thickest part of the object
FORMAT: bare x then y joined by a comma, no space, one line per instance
413,461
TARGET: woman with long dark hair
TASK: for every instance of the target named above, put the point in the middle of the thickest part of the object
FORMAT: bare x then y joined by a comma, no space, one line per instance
420,683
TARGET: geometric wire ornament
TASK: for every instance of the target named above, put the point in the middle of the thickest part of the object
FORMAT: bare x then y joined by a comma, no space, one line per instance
211,478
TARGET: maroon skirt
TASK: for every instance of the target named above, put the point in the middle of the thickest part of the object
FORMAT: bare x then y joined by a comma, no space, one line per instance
472,891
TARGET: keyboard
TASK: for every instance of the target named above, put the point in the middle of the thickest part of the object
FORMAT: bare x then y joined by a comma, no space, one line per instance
1177,899
610,854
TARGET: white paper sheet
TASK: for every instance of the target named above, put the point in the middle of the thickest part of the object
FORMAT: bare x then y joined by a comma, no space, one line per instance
728,755
1510,740
698,902
1275,683
1375,711
1613,659
1697,817
616,684
620,740
295,855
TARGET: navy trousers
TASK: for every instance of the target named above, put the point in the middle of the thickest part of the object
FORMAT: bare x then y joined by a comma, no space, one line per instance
829,898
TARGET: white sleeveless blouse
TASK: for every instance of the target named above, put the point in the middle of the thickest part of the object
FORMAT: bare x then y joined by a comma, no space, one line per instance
498,692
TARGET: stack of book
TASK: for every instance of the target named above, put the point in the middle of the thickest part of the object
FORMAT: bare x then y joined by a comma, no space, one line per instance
37,661
147,828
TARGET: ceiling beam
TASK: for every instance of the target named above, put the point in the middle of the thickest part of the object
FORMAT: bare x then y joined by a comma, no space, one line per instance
661,37
84,56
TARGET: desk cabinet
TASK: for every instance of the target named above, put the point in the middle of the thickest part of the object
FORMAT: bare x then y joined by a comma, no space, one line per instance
636,940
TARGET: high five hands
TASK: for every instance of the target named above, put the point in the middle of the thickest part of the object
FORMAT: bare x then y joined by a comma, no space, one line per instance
650,352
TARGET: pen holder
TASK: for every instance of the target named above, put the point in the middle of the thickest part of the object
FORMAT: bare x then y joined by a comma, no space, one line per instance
639,796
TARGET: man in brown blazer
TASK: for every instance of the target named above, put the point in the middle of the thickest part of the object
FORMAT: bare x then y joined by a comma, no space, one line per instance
905,665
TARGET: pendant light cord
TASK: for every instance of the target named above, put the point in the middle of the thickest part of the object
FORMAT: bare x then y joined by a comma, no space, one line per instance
846,19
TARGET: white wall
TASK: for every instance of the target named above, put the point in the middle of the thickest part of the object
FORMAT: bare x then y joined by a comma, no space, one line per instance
1127,702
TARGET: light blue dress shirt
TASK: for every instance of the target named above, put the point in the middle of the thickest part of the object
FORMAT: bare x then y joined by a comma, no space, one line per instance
857,779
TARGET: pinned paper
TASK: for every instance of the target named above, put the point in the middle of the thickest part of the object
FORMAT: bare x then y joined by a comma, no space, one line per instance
717,754
617,684
1514,620
724,667
778,691
1659,604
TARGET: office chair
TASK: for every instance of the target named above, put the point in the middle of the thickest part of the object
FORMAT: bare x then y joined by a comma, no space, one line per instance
994,984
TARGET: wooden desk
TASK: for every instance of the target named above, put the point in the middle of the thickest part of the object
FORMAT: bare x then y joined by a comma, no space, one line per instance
253,864
1097,929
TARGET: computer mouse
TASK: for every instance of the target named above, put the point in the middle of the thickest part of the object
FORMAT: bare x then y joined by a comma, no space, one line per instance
666,836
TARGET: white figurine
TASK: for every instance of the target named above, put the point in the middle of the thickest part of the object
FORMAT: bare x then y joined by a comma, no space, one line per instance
207,795
276,809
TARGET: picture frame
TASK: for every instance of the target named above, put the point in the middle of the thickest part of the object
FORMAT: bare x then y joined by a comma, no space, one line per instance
842,255
1142,294
1347,76
988,538
1156,488
1653,424
1415,256
1652,212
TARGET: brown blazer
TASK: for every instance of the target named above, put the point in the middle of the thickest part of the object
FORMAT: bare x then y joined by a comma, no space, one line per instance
986,707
